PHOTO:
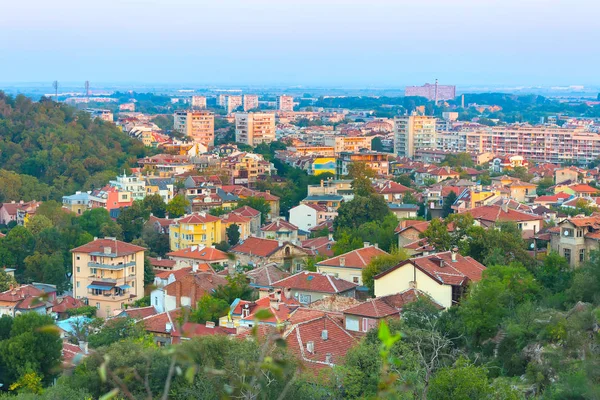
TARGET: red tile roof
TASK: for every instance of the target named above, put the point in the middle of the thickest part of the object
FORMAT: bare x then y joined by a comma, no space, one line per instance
266,196
24,297
391,187
246,211
158,323
164,222
195,285
257,246
385,306
266,275
315,282
278,225
321,246
495,214
358,258
582,188
190,330
62,304
116,247
140,313
197,218
163,262
233,218
443,270
206,254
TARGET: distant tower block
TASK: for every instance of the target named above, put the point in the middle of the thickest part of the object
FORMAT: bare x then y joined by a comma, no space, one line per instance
55,86
87,90
462,101
436,91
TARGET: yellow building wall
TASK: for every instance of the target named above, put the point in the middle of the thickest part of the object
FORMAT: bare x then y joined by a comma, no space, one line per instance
347,274
182,236
399,280
244,229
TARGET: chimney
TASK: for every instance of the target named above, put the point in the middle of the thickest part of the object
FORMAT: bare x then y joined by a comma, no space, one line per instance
324,334
505,206
83,345
330,237
366,244
195,268
412,284
376,245
310,347
453,253
168,327
210,324
177,294
342,261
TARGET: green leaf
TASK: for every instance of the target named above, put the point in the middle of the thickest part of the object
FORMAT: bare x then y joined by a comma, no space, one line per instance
264,314
110,395
190,373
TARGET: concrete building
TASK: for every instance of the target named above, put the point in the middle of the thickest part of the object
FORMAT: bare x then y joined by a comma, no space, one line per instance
250,102
432,91
109,274
232,103
104,115
198,102
351,144
254,128
575,239
197,125
414,132
285,103
133,184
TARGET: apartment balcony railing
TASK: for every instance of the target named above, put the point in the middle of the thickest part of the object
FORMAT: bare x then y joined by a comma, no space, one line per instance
93,264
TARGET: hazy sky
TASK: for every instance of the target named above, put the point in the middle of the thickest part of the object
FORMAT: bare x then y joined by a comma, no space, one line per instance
310,42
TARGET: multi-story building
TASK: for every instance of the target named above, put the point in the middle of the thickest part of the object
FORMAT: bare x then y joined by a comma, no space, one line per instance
378,162
285,103
109,274
194,230
254,128
104,115
232,103
432,91
198,102
352,144
540,143
414,132
250,102
576,238
133,184
197,125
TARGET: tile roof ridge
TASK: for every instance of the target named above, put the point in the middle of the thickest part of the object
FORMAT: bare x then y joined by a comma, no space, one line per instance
332,284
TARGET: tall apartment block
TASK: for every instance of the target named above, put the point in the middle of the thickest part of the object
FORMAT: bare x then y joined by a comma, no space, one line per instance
233,103
250,102
285,103
197,125
254,128
109,274
428,90
221,99
198,102
414,132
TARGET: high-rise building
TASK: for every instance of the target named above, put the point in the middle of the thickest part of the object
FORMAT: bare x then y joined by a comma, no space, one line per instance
221,99
197,125
432,91
198,102
414,132
254,128
285,103
250,102
109,274
233,103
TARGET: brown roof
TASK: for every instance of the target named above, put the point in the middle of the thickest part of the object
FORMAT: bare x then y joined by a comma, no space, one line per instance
26,297
164,222
246,211
207,254
266,275
116,247
278,225
140,313
195,285
495,214
315,282
163,262
443,270
319,246
158,323
191,330
358,258
233,218
385,306
62,304
257,246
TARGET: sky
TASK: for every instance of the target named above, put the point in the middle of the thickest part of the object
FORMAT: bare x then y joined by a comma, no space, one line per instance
370,43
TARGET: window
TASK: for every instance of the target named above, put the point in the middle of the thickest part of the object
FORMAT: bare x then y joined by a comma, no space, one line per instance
368,323
298,267
77,284
93,271
304,298
355,279
579,233
98,306
78,271
132,270
567,255
582,255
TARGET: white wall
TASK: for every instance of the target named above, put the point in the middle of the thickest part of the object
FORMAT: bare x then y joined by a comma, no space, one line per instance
304,217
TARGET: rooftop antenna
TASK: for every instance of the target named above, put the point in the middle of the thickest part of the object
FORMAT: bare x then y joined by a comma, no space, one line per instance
55,86
436,91
87,91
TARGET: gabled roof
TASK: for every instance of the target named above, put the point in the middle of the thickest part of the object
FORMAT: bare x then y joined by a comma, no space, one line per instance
443,270
246,211
162,263
163,222
117,247
583,188
158,323
190,330
139,313
197,218
195,285
391,187
206,254
419,226
64,303
321,245
24,296
495,214
266,195
266,275
278,225
385,306
358,258
233,218
315,282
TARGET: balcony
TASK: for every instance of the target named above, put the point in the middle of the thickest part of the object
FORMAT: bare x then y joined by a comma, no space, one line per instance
93,264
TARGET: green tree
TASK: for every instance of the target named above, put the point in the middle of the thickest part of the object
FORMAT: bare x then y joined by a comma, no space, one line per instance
236,288
409,198
361,175
381,264
156,242
233,234
115,330
437,235
259,204
457,160
96,222
463,381
148,272
155,205
361,209
6,281
132,220
38,223
16,246
404,179
177,206
448,202
555,273
209,309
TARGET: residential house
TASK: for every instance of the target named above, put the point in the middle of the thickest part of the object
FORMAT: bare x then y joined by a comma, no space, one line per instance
552,200
195,230
161,186
259,251
161,325
489,216
409,231
254,215
187,290
575,238
443,276
320,246
566,175
196,255
191,330
349,266
272,201
264,277
62,305
577,190
330,201
108,197
307,287
404,211
392,192
366,316
134,184
435,174
308,215
243,313
243,224
77,203
109,274
280,230
24,299
160,225
160,264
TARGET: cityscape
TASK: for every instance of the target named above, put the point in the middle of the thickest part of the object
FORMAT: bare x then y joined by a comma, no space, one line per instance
338,210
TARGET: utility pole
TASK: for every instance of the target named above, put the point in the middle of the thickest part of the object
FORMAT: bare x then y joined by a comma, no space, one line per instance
55,86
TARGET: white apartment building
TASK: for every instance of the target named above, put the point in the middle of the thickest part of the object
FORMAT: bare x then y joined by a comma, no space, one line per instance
414,132
254,128
232,103
133,184
351,144
197,125
198,102
250,102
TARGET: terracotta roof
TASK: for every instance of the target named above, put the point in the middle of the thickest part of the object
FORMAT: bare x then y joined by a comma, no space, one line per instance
257,246
197,218
62,304
190,330
267,275
358,258
581,222
498,214
116,247
70,354
195,285
391,187
315,282
319,246
419,226
246,211
266,196
326,352
164,222
207,254
385,306
582,188
158,323
334,303
233,218
163,262
140,313
443,270
278,225
25,297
